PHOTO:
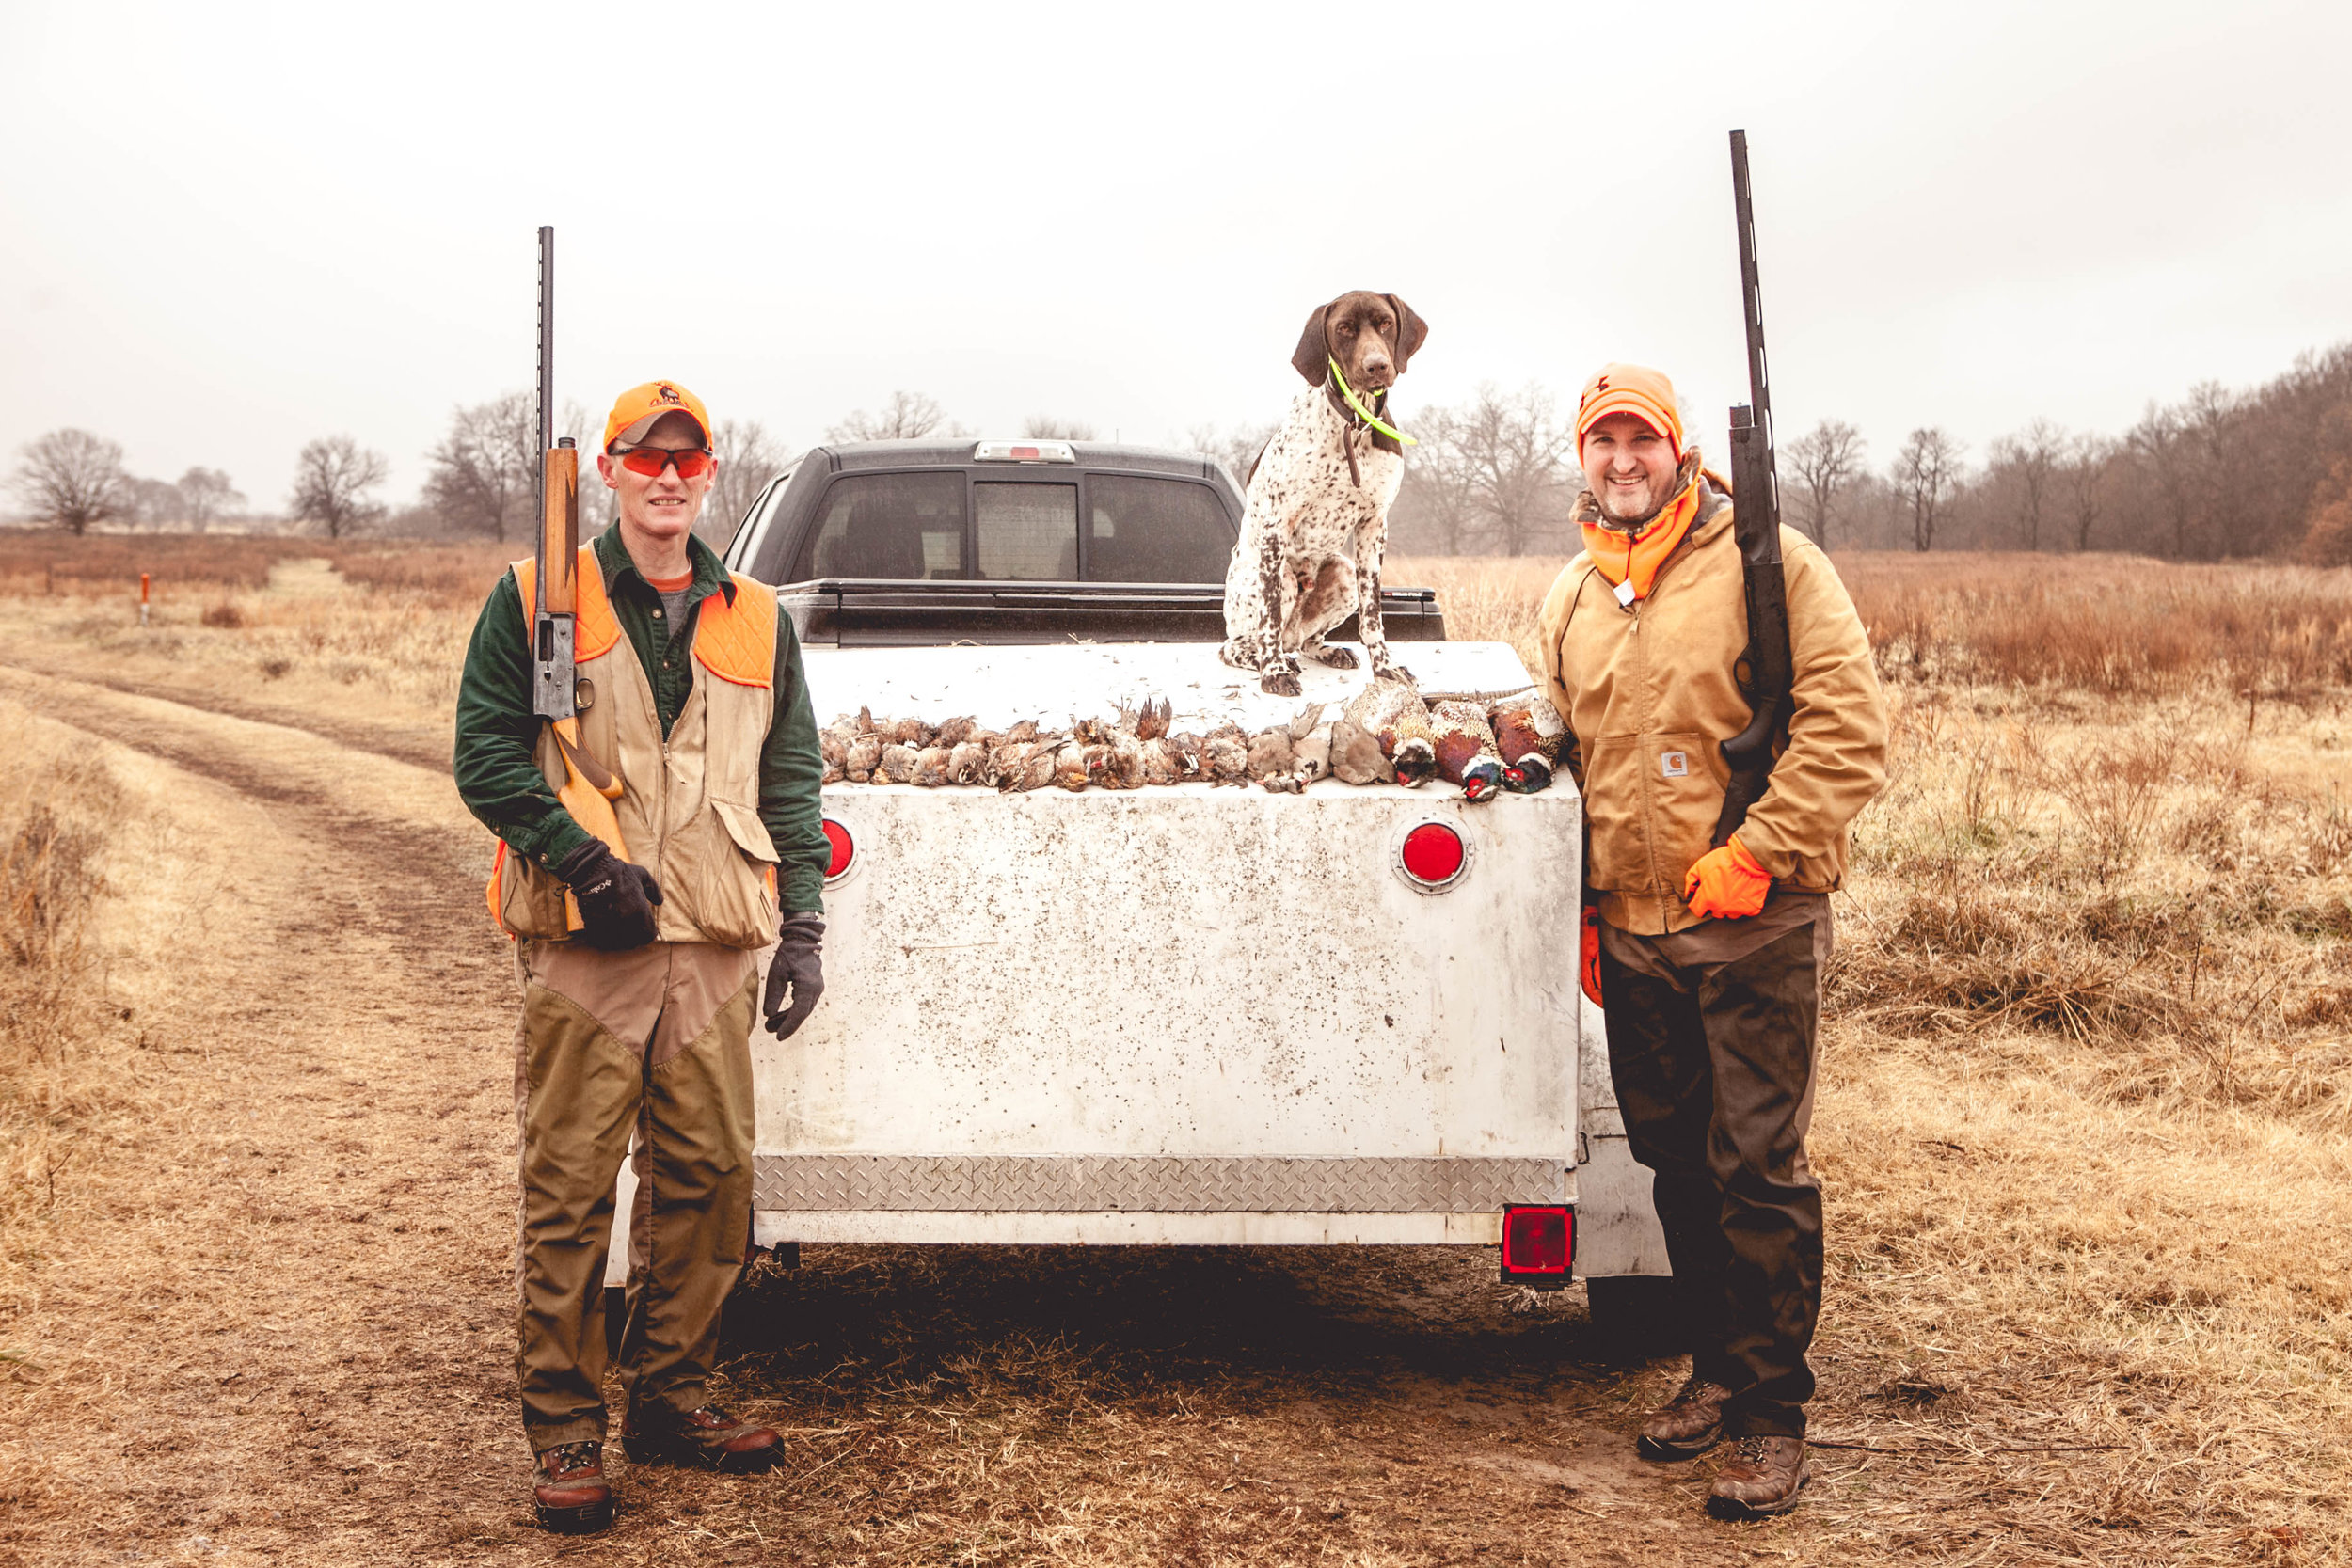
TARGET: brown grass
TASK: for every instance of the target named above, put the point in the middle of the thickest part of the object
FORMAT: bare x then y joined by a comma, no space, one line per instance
2083,1125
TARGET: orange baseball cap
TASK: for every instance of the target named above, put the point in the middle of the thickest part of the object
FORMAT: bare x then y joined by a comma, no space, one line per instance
635,410
1635,390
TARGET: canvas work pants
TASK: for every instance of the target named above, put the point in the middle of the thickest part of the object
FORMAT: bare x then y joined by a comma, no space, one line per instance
656,1043
1713,1064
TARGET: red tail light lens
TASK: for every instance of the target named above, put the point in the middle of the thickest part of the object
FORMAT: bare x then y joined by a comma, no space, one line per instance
1539,1240
844,850
1433,854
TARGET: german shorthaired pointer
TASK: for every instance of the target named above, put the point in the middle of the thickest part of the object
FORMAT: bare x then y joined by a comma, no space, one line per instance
1318,521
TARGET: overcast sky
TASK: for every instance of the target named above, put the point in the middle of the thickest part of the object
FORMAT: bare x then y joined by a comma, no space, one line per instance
227,228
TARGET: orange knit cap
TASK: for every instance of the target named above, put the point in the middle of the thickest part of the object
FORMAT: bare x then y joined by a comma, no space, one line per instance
1635,390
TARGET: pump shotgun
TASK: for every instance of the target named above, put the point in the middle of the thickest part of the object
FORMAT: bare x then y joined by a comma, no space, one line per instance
588,791
1756,528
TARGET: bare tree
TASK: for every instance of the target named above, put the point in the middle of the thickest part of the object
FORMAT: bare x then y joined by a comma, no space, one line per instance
1516,450
73,479
749,457
205,497
1237,447
332,479
1048,427
153,503
1926,472
1826,459
2085,474
1438,500
904,418
2030,457
485,474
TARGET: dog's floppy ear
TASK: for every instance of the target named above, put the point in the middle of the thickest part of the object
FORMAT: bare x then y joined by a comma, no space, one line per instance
1411,332
1311,359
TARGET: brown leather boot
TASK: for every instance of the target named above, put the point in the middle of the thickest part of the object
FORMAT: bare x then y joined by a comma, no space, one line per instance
709,1437
569,1490
1762,1477
1687,1425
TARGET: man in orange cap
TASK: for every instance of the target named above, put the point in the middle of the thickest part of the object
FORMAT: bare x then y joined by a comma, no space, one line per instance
637,1011
1706,956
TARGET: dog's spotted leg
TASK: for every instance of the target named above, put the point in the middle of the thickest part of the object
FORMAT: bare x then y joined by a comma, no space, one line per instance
1368,552
1278,675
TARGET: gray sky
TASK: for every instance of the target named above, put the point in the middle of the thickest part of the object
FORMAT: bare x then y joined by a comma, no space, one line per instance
227,228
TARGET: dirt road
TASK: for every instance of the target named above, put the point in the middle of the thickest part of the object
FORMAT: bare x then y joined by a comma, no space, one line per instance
276,1324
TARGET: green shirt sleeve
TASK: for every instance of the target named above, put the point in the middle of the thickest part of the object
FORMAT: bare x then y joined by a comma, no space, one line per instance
790,773
495,763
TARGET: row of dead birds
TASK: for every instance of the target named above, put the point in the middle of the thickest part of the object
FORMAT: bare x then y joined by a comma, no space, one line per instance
1387,733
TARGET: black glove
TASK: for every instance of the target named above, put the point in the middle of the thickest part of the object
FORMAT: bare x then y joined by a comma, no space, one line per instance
796,965
615,897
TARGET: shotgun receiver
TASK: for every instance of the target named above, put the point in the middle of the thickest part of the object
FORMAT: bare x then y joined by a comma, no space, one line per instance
1756,528
588,791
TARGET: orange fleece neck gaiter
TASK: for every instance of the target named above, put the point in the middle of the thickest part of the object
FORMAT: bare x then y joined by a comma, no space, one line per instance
1634,558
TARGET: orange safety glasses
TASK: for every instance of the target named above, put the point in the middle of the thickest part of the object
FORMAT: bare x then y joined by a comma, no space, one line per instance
691,461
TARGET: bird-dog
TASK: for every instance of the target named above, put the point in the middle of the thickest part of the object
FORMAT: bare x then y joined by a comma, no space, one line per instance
1317,520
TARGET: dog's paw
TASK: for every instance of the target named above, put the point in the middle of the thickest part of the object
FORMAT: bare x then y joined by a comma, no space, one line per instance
1279,683
1394,673
1335,658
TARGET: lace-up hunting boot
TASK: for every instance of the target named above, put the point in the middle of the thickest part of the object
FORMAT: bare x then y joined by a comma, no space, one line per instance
1687,1425
1761,1477
569,1489
709,1437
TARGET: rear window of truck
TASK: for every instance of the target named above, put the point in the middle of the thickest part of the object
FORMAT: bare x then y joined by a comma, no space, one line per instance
954,527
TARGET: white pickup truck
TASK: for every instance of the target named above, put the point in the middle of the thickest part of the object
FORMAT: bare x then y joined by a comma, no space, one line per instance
1180,1015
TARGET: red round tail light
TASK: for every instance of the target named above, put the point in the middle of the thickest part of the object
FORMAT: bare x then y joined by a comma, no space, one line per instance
1433,855
844,850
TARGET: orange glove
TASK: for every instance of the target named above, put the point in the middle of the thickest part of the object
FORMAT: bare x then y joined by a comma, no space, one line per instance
1589,955
1726,882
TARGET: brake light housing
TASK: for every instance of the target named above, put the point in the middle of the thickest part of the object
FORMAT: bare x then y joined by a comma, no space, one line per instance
844,858
1025,452
1539,1244
1431,856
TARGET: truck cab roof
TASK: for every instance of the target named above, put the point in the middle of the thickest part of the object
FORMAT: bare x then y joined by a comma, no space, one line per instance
1008,541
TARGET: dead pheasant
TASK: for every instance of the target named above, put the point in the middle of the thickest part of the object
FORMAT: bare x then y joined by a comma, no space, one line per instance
1393,713
1528,734
1465,749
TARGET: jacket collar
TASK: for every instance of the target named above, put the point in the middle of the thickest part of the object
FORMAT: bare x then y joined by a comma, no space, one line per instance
710,573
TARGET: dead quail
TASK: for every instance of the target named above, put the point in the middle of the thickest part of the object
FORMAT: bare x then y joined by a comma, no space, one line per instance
930,766
1123,766
1023,731
1225,756
863,754
967,764
1465,749
1073,764
907,732
832,746
1188,747
955,732
1269,759
1163,762
1356,755
898,764
1311,755
1035,766
1393,712
1151,724
1528,734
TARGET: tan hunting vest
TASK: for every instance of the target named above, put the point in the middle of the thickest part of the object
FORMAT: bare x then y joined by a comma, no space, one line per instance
689,807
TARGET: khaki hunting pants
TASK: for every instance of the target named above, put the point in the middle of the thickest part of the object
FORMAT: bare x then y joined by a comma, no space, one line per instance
654,1042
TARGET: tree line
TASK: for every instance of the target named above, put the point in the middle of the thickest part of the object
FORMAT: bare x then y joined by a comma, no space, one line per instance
2263,472
2222,473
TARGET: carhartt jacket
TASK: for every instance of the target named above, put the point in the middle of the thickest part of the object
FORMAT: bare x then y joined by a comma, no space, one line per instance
1650,692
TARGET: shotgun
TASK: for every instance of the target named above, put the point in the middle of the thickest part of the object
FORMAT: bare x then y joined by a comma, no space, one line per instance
1756,528
588,791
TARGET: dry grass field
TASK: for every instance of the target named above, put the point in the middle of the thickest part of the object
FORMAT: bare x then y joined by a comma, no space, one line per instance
2086,1130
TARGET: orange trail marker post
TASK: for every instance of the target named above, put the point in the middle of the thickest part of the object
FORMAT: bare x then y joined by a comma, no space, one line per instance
142,598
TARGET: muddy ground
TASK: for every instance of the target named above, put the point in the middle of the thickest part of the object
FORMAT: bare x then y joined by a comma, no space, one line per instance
274,1320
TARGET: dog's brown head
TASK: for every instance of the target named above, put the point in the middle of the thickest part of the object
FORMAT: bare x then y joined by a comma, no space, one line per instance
1371,335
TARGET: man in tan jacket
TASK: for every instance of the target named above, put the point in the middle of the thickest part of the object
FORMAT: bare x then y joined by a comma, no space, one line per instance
1707,958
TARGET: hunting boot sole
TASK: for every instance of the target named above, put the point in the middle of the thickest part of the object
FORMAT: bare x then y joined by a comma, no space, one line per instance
576,1519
